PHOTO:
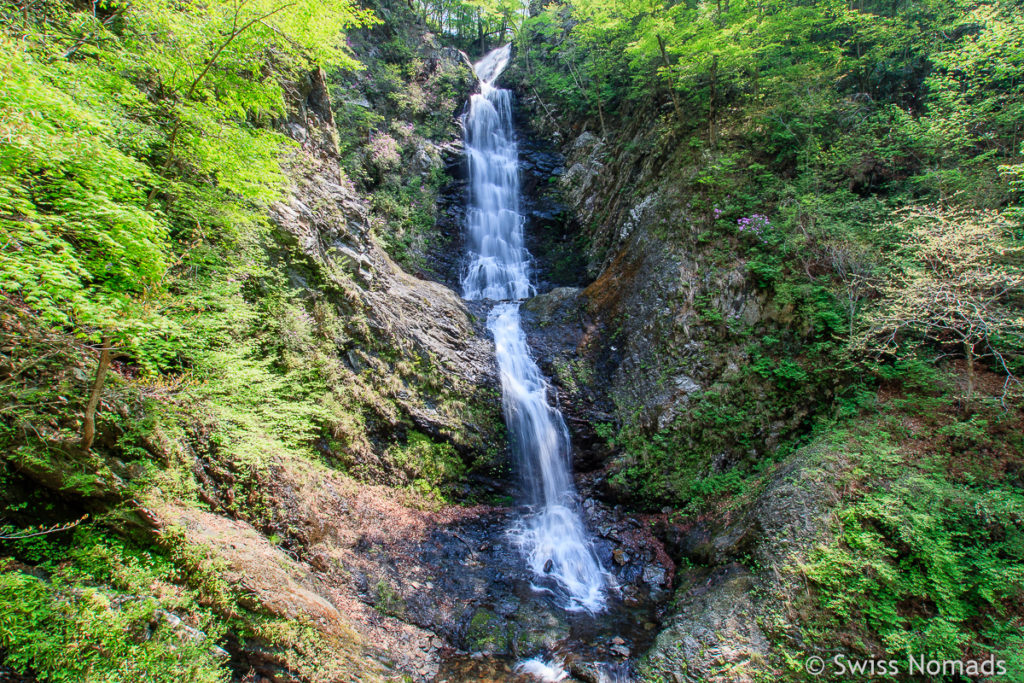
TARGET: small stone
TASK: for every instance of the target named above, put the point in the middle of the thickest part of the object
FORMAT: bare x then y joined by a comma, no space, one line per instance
620,556
620,650
654,575
548,566
617,640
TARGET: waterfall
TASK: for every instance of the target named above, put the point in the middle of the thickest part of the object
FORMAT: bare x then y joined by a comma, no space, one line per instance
551,536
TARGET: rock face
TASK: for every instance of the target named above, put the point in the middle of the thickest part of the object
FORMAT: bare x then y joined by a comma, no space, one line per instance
568,341
656,346
411,343
714,635
551,233
414,590
277,585
668,306
328,222
722,609
666,320
640,344
454,573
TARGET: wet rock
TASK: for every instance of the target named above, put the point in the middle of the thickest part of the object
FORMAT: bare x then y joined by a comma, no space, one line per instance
550,232
654,575
487,632
631,573
539,626
715,629
507,607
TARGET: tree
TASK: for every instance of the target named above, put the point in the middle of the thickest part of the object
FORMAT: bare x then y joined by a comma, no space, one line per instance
132,130
959,287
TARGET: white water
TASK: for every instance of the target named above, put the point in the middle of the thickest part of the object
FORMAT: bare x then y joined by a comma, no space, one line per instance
552,536
545,671
499,263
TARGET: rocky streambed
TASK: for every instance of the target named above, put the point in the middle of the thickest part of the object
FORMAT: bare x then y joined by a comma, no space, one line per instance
466,582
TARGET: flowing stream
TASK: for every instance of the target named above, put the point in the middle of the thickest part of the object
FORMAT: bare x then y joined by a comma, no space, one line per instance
551,535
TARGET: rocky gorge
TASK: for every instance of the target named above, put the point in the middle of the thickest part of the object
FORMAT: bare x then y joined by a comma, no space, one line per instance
299,466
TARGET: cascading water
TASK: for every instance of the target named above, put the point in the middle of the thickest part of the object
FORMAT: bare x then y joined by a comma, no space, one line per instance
552,535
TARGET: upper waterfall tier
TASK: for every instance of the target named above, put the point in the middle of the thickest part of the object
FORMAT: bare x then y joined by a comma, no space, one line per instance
498,261
493,63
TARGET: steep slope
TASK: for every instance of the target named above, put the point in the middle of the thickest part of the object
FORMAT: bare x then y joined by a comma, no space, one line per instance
310,356
719,367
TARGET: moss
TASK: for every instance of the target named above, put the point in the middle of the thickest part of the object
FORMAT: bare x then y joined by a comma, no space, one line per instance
64,631
487,632
388,600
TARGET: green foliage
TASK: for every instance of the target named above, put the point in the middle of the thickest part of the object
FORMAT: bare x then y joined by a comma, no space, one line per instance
79,244
87,638
86,620
431,467
926,561
789,135
130,139
139,156
95,607
409,212
786,140
389,601
674,465
472,24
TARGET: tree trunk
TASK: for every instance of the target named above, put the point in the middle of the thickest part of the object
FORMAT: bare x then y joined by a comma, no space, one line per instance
671,85
89,420
969,349
712,113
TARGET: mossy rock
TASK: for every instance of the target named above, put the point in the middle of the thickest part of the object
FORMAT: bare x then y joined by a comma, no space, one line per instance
487,633
538,627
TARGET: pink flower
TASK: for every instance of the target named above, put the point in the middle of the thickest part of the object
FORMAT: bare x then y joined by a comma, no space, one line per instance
755,223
